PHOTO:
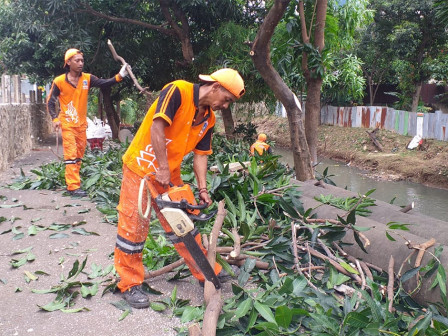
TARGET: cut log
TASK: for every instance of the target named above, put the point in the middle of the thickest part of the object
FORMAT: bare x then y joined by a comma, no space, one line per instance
375,141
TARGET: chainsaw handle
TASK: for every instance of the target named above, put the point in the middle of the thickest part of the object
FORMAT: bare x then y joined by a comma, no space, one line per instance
195,206
140,199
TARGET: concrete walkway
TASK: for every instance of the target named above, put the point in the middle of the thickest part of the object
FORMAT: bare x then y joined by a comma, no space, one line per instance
20,313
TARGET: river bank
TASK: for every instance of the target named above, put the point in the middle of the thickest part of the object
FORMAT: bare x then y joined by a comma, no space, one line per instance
354,147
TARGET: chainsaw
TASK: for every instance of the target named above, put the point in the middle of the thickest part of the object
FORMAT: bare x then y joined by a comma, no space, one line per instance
176,209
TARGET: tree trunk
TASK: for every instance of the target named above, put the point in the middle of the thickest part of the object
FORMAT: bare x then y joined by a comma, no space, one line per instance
112,116
261,57
313,80
312,115
370,83
229,125
100,106
416,96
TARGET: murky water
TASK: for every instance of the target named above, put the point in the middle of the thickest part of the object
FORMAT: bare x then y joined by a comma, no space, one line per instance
428,201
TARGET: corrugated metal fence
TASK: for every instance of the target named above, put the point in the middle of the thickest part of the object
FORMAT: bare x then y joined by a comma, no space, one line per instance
435,125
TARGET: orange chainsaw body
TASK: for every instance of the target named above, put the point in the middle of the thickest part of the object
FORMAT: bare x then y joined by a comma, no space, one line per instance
179,193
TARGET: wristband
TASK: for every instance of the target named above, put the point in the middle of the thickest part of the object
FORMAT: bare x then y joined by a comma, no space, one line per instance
203,190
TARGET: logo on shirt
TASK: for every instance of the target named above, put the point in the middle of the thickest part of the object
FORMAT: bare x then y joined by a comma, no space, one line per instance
204,127
147,157
71,115
85,85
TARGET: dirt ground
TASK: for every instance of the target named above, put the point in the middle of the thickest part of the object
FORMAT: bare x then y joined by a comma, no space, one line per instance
54,258
428,165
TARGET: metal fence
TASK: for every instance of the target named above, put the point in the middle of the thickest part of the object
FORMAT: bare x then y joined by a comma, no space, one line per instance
435,125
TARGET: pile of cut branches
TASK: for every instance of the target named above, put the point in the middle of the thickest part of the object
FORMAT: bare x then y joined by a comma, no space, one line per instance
295,277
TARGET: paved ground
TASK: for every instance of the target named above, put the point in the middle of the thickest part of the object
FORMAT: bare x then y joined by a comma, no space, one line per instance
20,313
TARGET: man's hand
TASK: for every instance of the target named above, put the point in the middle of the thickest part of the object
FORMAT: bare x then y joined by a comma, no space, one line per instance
205,197
124,71
163,177
56,125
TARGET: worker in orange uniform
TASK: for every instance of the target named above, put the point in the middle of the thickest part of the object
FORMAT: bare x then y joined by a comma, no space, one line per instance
180,121
260,145
72,89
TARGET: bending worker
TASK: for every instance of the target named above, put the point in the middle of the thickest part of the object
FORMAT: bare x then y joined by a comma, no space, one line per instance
260,145
180,121
72,90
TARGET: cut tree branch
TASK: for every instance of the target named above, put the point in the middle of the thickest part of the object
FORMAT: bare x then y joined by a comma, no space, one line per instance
128,68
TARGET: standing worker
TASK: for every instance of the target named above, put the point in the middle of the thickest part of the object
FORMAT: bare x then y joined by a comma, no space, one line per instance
260,145
180,121
72,90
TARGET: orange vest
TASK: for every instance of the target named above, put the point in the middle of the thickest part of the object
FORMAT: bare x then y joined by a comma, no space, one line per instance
73,101
181,136
259,146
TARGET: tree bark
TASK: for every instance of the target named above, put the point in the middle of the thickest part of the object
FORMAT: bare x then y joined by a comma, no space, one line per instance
182,31
261,57
100,106
112,116
229,125
312,115
313,80
416,96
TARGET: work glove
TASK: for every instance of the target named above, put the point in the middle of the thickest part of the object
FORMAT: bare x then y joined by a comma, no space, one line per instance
123,71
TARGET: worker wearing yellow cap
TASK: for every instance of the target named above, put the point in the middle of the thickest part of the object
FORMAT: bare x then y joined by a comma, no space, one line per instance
180,121
260,145
72,90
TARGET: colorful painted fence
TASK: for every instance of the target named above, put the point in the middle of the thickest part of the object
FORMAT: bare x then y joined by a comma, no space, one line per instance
435,125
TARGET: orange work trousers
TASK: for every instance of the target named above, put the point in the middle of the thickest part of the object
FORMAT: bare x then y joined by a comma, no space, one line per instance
133,231
74,141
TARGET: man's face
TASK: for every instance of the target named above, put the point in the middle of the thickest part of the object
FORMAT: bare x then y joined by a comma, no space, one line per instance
221,98
76,63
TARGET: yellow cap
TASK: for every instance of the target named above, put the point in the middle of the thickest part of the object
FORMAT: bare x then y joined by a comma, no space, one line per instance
229,79
70,53
262,137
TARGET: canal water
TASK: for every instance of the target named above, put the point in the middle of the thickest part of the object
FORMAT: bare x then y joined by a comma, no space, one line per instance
427,201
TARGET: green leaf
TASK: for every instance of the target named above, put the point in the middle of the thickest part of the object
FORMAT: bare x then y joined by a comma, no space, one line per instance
421,326
122,305
158,306
283,316
53,306
356,319
348,268
360,228
265,312
243,308
74,310
359,241
241,205
58,236
31,276
410,274
32,230
230,206
369,192
83,232
351,218
191,314
441,277
125,313
390,237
